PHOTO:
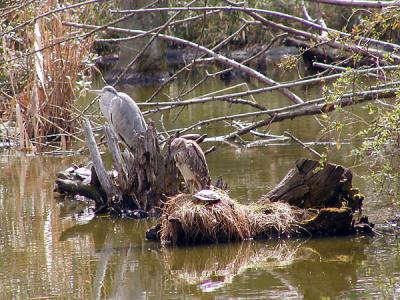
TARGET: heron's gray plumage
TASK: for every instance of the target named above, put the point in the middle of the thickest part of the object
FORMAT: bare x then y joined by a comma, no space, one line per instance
123,114
191,162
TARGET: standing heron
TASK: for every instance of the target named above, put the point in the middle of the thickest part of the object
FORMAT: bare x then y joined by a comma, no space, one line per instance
191,162
123,114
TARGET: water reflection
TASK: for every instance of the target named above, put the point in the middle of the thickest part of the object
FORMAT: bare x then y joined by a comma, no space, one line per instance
56,248
128,268
32,261
268,270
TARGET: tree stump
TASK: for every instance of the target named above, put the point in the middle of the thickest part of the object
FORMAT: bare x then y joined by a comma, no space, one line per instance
143,176
310,185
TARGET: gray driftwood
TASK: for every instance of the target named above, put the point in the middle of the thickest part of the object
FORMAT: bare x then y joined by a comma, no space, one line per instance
311,185
101,173
144,177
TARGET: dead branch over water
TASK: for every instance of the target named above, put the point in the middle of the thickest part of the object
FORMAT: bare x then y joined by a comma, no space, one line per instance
360,3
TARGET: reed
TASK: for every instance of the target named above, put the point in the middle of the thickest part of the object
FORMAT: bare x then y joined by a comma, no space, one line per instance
44,85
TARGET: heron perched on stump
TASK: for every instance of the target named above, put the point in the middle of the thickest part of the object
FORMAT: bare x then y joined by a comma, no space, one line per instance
191,162
122,113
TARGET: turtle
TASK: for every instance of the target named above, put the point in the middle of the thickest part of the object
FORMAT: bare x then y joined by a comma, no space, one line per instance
207,196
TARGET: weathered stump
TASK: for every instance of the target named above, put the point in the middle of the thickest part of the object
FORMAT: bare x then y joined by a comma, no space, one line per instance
311,185
151,174
143,175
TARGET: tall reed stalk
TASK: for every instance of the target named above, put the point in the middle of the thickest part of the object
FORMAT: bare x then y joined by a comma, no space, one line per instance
45,85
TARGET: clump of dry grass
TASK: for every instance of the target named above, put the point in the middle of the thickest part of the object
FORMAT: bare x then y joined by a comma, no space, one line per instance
275,219
189,222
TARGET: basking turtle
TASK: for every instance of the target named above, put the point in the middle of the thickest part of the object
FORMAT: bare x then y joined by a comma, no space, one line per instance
207,196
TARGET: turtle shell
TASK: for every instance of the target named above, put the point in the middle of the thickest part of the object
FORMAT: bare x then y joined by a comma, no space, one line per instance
207,196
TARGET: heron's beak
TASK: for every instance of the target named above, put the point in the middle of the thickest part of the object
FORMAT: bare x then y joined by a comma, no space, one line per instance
98,92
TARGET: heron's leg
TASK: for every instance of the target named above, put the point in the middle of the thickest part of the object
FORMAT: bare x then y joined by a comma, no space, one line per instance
198,185
187,185
191,186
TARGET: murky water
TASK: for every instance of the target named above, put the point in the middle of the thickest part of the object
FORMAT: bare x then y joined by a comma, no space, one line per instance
54,248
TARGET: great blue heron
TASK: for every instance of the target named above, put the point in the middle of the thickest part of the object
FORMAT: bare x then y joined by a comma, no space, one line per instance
122,113
191,162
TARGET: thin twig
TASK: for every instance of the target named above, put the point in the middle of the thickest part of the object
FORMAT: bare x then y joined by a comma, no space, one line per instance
360,3
256,11
36,18
175,23
218,57
307,147
311,107
153,37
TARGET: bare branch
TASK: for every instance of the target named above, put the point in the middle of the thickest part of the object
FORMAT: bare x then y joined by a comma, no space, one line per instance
316,107
307,147
311,107
360,3
255,11
175,23
168,105
138,55
218,57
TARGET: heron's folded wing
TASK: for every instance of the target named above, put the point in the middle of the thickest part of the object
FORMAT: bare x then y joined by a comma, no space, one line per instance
105,102
126,120
198,163
140,123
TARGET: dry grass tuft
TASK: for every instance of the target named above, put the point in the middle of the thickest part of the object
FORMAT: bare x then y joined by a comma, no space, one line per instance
189,222
275,219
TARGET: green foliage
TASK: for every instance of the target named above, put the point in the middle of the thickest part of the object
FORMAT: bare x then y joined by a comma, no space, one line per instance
289,62
381,148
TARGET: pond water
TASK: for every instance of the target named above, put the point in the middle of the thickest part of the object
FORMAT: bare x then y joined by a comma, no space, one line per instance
55,248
